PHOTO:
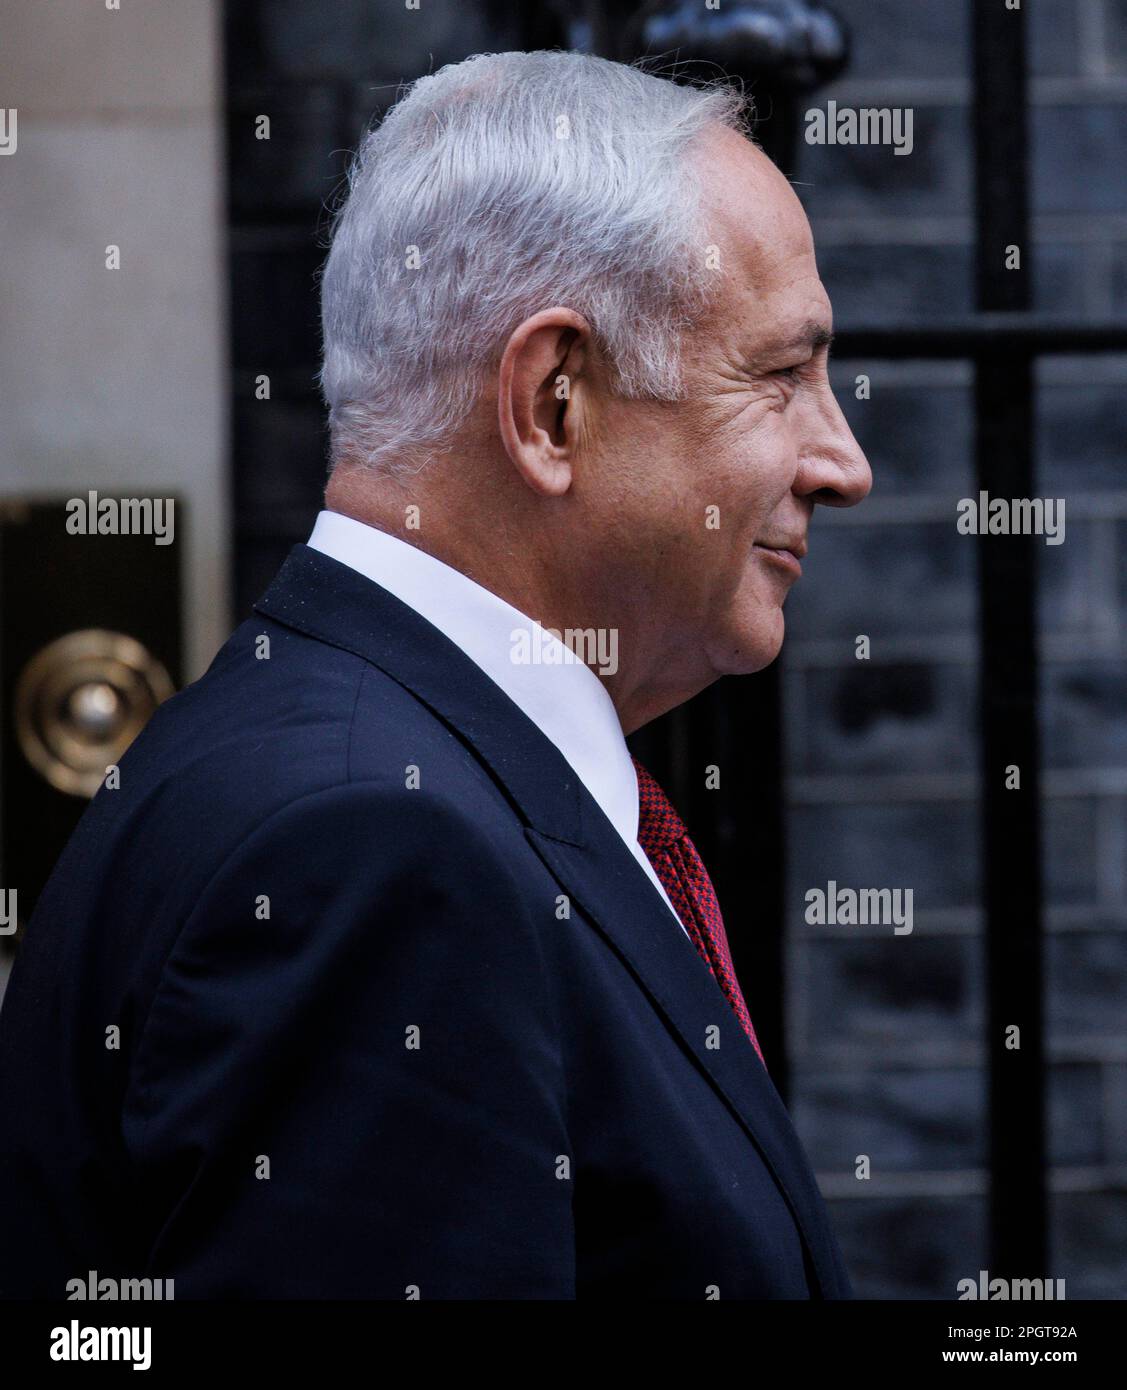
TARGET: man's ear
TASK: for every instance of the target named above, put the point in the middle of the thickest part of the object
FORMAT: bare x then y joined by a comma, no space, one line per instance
538,407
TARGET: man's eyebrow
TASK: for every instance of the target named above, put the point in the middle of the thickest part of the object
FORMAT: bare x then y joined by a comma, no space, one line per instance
813,335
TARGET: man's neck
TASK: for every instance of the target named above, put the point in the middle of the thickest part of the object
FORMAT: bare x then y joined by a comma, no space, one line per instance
500,560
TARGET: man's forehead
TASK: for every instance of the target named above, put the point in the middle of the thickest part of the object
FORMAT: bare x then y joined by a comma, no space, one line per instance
756,221
750,205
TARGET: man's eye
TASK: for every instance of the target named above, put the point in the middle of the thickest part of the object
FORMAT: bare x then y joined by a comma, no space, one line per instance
789,372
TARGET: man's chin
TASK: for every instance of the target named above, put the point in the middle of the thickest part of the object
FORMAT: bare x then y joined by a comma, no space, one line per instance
753,647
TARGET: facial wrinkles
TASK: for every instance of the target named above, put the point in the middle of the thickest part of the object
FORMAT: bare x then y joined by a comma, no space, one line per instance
748,420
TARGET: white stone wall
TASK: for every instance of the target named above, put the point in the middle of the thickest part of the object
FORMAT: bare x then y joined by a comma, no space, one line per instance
117,379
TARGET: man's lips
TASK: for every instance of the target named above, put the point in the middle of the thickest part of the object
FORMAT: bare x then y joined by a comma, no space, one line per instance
788,554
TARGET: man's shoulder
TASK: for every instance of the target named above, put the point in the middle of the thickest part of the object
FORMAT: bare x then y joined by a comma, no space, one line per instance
280,715
274,737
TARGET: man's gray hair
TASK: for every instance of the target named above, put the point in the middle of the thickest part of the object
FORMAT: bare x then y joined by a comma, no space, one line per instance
497,187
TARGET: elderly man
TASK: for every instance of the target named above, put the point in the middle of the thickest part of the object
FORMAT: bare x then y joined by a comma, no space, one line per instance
385,972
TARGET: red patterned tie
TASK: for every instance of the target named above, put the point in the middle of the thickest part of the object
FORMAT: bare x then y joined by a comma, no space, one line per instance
682,874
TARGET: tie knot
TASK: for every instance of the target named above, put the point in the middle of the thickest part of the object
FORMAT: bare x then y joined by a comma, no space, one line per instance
659,825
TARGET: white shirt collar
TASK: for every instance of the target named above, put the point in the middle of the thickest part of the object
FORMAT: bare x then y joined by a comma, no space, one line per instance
564,698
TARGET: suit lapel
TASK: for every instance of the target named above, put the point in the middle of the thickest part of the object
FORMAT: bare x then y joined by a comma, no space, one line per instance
607,881
331,602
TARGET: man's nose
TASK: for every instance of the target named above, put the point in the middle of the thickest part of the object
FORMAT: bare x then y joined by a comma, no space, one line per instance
833,469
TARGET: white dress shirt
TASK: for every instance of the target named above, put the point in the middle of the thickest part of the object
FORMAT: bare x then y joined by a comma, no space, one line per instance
564,698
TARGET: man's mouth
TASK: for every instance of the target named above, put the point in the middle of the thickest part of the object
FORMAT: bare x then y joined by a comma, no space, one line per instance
788,555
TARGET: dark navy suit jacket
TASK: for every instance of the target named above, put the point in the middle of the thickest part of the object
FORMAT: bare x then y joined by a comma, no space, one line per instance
284,1025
